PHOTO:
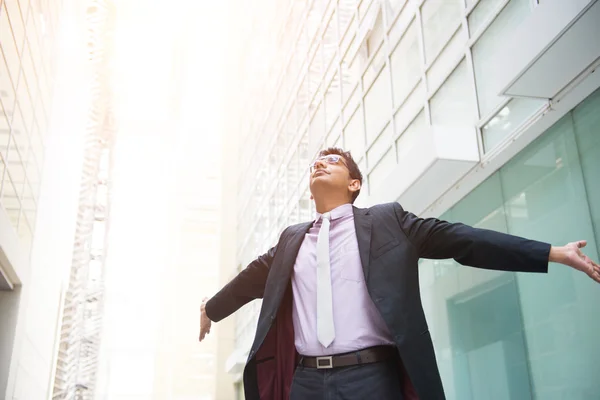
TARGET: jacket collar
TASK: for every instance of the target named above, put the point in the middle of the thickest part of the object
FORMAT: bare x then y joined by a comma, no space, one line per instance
362,224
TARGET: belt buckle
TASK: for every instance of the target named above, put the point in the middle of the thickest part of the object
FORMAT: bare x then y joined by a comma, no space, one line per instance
328,362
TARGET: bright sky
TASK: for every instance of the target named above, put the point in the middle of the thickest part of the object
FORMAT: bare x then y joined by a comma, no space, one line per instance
168,77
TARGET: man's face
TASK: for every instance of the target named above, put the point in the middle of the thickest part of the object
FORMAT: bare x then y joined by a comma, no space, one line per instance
331,172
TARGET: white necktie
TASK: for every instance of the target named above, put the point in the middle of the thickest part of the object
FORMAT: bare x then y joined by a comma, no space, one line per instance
325,328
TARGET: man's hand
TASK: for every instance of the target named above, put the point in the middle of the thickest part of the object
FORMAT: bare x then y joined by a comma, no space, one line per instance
572,256
204,320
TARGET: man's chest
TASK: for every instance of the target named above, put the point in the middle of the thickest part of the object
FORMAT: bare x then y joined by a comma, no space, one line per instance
344,256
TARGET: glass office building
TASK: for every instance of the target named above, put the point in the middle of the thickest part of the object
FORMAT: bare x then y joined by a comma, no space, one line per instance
27,30
479,111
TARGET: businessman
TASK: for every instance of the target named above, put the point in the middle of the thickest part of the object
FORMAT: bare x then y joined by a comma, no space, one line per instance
341,316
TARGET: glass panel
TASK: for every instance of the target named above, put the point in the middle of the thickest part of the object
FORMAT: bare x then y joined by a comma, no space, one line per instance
383,169
586,119
546,200
410,108
378,105
381,144
377,62
438,71
19,135
501,335
8,44
346,12
354,134
488,44
454,103
508,120
406,65
304,207
394,6
407,140
333,101
441,18
317,130
481,13
7,93
10,199
4,140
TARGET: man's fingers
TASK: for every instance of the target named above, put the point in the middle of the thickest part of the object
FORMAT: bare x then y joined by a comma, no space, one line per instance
581,244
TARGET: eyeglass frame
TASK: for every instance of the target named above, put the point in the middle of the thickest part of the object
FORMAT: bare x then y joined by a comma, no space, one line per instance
311,166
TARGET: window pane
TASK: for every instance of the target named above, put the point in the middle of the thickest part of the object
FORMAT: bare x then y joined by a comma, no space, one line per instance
481,13
380,145
407,140
546,199
454,103
438,71
378,105
333,101
508,120
382,170
488,44
586,119
406,65
354,134
440,19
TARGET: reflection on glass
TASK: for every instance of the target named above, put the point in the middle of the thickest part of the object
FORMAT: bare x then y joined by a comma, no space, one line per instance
508,120
481,13
501,335
406,65
486,47
378,105
354,134
440,19
454,103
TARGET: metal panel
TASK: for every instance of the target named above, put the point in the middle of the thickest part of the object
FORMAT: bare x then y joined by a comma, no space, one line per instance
564,44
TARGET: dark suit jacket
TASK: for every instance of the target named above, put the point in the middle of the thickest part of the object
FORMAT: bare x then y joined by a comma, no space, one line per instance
390,241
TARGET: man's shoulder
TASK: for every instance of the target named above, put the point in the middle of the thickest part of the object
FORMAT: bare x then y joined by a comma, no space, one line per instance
295,228
383,208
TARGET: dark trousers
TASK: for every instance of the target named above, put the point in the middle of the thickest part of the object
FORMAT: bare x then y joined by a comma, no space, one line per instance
358,382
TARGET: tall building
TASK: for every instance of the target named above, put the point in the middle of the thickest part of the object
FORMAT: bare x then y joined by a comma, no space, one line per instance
43,98
484,112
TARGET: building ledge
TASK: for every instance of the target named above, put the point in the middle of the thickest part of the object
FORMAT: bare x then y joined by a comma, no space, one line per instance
550,49
438,157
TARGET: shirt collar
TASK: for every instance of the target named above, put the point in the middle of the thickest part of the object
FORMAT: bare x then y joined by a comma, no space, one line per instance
338,212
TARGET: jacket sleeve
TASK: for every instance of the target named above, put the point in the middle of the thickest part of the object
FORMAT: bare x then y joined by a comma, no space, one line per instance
470,246
248,285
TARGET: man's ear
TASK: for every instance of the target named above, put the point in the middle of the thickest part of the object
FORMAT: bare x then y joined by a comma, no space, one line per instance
311,197
354,185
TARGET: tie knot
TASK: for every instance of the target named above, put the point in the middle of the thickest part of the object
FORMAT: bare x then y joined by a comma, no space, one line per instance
327,216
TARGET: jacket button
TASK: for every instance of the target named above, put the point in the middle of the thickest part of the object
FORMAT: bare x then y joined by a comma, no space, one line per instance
272,317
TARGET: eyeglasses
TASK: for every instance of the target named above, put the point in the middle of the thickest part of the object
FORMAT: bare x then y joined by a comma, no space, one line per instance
329,159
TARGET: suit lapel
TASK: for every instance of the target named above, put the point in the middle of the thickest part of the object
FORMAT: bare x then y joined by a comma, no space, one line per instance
284,271
362,224
292,247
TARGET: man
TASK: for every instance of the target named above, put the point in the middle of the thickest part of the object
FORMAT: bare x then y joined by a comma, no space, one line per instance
341,316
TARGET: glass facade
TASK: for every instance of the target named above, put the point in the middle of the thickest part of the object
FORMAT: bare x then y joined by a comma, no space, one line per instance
365,75
501,335
26,32
373,77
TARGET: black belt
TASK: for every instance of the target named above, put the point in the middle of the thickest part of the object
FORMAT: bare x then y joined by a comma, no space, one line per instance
365,356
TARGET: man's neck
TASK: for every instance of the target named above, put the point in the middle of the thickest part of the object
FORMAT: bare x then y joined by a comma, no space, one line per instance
327,205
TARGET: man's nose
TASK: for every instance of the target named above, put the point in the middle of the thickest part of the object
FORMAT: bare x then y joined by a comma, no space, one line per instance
320,164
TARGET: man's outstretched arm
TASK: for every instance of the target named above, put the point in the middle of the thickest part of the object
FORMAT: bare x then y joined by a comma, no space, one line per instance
488,249
248,285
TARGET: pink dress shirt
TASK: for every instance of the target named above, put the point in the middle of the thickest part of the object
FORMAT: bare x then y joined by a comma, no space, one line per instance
357,322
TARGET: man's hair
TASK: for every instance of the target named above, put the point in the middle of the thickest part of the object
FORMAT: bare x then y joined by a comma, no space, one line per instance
350,163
